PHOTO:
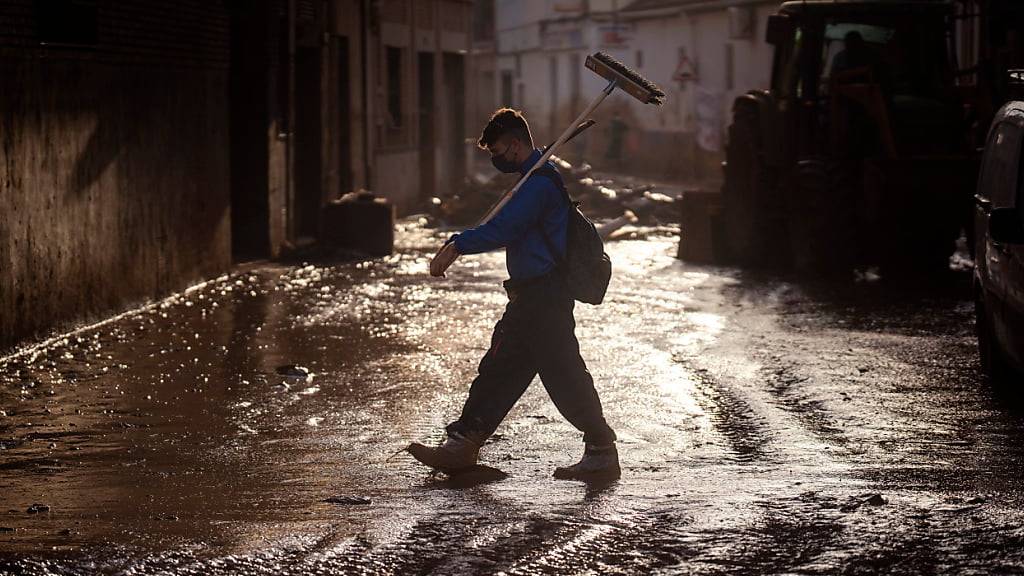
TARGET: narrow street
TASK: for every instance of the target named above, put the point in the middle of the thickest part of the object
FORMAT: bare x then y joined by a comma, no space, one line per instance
767,426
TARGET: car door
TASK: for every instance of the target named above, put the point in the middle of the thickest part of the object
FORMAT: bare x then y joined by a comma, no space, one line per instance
1013,261
994,165
997,188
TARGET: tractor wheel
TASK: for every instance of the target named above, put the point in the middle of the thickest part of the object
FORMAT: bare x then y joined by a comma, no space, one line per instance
822,226
749,194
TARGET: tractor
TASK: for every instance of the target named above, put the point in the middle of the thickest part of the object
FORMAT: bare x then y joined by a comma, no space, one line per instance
857,155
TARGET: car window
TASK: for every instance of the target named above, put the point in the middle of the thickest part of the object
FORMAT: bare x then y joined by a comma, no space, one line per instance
1000,166
834,44
905,56
789,57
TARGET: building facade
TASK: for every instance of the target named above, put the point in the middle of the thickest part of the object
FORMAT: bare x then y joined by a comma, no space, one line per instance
703,53
407,95
482,75
150,145
114,167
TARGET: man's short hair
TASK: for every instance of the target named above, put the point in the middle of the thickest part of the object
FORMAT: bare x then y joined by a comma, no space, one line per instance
505,121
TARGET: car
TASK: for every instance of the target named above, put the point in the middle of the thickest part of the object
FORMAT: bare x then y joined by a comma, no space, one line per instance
999,247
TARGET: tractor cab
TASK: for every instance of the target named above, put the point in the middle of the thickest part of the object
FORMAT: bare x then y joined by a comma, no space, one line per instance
871,78
856,153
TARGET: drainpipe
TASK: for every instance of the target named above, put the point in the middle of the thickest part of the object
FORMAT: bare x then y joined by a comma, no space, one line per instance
289,143
364,24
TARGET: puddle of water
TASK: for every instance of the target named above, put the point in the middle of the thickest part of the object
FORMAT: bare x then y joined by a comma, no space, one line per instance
164,442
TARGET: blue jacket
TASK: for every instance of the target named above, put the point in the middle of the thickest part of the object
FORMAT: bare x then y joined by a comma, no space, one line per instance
517,227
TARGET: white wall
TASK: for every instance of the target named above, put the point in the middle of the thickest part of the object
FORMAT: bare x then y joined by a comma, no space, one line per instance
752,57
519,40
660,41
517,24
523,36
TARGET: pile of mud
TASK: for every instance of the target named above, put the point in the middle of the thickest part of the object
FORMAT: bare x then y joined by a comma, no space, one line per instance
616,201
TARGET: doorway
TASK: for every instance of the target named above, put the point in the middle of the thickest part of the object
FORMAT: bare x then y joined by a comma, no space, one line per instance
455,94
249,117
341,52
308,137
427,123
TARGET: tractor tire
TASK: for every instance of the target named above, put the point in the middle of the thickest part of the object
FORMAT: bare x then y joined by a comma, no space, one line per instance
749,196
823,222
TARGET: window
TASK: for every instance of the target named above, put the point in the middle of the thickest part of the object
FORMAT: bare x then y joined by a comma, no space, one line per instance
784,69
999,173
575,70
906,56
483,21
553,82
485,97
506,88
394,87
835,57
729,65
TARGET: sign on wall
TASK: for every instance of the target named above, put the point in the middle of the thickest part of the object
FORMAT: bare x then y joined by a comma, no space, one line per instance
615,35
560,39
685,69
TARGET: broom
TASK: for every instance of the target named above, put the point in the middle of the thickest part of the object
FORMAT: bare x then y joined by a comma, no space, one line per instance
619,76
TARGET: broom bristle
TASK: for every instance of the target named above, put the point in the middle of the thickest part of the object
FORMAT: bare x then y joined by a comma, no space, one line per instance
656,95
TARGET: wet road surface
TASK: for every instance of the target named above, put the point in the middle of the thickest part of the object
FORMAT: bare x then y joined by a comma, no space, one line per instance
766,425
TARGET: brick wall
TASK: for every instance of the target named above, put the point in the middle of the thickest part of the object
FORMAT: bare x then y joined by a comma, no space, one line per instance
114,166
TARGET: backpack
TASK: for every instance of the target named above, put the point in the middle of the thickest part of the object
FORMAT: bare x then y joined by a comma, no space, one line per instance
586,266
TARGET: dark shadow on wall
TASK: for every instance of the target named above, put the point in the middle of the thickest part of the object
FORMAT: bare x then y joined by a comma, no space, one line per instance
121,115
118,191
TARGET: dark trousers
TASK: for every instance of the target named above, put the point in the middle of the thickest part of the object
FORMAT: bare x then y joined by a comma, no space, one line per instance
534,336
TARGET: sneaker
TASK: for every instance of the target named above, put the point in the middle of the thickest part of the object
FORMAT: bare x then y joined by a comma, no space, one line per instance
598,462
456,453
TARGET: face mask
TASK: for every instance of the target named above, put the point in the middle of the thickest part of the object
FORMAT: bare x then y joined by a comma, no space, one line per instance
503,164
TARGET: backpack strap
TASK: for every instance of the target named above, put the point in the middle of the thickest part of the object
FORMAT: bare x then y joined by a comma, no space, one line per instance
556,178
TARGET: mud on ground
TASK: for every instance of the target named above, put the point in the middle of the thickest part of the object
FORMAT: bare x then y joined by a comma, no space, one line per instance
768,426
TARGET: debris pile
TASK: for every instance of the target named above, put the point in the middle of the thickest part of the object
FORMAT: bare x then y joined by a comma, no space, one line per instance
612,204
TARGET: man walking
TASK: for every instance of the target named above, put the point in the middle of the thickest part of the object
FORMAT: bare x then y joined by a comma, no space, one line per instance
536,333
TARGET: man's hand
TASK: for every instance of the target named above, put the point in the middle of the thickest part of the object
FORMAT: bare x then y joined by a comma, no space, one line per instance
443,259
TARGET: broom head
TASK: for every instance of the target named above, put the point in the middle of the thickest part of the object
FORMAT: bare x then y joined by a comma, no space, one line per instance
629,80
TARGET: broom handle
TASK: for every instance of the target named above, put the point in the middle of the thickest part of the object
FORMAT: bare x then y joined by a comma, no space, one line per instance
547,154
579,130
447,255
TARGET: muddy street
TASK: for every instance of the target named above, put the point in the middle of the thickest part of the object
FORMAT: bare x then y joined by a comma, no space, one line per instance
766,426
